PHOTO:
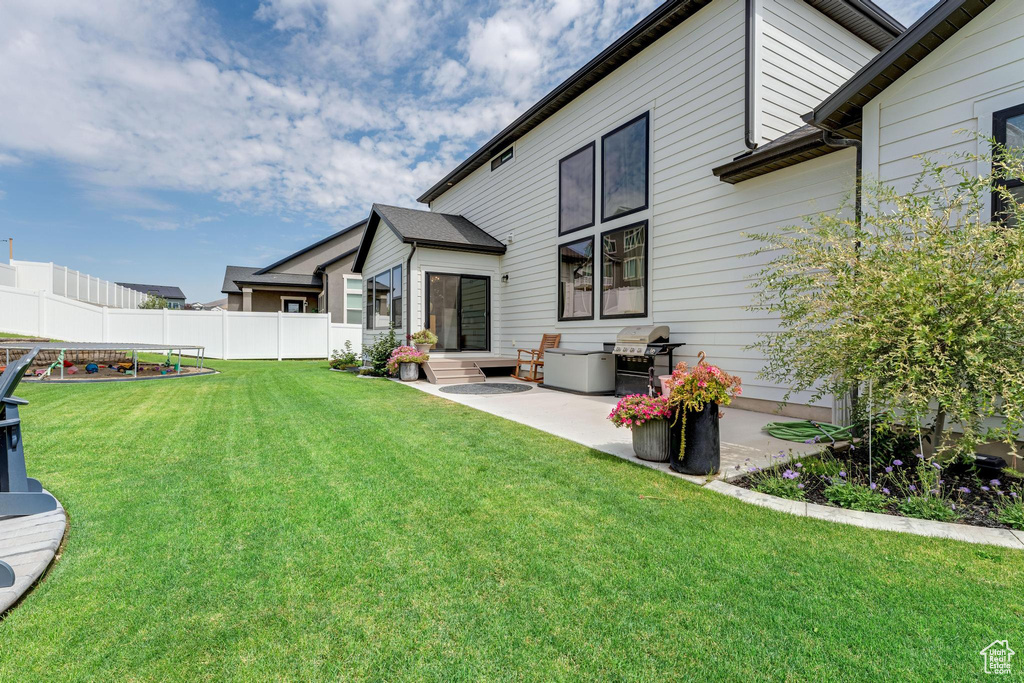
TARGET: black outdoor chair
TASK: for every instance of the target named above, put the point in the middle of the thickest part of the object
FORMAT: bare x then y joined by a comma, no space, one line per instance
19,493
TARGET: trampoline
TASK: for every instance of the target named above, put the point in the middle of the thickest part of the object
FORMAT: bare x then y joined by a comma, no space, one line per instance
14,348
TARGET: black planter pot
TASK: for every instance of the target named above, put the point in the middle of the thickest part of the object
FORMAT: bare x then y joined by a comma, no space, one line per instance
656,440
703,452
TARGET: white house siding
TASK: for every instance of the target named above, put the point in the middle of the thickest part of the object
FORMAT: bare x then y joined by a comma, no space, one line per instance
386,251
978,71
692,83
805,57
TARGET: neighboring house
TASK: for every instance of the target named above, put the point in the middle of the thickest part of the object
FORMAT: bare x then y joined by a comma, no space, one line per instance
174,296
625,196
317,278
218,305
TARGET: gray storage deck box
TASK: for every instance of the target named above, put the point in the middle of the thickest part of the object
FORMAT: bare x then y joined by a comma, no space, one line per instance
586,372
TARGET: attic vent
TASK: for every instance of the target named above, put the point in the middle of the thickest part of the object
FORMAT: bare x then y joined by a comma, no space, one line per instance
501,159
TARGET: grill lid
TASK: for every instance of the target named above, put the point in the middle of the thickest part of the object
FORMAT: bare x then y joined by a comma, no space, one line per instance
634,340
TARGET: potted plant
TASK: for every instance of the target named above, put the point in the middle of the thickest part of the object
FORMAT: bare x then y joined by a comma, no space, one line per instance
423,340
405,362
696,396
649,418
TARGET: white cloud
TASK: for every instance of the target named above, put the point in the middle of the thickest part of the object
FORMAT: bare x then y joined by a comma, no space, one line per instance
367,102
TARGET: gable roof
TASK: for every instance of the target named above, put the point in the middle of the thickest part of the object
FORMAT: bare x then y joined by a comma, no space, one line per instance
426,229
841,111
163,291
336,259
247,275
300,252
861,17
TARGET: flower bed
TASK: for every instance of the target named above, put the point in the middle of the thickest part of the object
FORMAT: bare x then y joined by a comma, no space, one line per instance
904,483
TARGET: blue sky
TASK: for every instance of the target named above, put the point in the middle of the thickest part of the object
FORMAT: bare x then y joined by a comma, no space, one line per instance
157,142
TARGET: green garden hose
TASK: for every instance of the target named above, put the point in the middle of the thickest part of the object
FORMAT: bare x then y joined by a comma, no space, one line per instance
806,430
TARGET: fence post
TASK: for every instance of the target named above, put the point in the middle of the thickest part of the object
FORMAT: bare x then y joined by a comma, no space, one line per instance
224,334
104,336
280,334
166,332
42,313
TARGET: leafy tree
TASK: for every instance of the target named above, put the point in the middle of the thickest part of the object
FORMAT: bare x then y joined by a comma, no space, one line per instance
153,302
922,300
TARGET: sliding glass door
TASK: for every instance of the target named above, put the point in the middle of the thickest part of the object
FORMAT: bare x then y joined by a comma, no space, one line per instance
458,311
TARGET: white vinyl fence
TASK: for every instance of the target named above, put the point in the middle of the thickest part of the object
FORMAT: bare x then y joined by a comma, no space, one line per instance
8,275
225,334
39,276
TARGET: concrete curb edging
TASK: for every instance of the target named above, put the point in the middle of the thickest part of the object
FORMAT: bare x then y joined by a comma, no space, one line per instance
872,520
29,545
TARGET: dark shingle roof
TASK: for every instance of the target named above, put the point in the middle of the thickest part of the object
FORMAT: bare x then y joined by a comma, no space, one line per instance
861,17
803,144
841,111
247,275
165,291
337,258
426,229
302,251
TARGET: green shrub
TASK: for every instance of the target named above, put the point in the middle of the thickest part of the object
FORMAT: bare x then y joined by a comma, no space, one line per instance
777,486
379,352
821,466
1011,513
927,507
855,497
344,359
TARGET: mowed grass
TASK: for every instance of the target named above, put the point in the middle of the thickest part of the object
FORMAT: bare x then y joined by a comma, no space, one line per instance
279,521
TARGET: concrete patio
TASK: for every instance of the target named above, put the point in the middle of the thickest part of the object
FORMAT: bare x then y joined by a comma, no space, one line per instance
583,419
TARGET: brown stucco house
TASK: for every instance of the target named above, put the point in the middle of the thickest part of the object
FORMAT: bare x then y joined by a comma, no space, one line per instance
316,279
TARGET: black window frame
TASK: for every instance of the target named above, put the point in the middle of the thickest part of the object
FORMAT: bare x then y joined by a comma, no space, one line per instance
397,324
458,335
592,146
999,120
368,294
647,278
646,117
500,160
558,279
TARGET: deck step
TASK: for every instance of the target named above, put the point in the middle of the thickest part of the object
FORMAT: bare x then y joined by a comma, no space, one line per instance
456,372
459,380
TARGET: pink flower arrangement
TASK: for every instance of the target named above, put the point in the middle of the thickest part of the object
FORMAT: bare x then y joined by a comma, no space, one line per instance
636,409
693,388
405,354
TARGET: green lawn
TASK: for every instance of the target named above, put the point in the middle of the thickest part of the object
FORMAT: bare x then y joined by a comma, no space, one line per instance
279,521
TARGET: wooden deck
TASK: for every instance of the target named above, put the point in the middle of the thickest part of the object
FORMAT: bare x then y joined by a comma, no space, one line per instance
463,370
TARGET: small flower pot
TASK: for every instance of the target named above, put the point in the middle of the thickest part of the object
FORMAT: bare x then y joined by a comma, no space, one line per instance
409,372
655,440
703,452
665,391
423,348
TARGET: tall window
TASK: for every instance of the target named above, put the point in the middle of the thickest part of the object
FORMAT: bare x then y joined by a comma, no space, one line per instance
576,280
382,300
1008,130
576,190
353,295
396,296
624,272
624,156
369,304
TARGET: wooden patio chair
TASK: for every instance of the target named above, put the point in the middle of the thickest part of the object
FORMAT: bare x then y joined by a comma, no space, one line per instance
534,361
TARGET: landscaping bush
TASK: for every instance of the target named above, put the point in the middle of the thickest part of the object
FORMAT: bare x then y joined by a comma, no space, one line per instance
922,300
855,497
927,507
781,485
379,352
1010,511
344,359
